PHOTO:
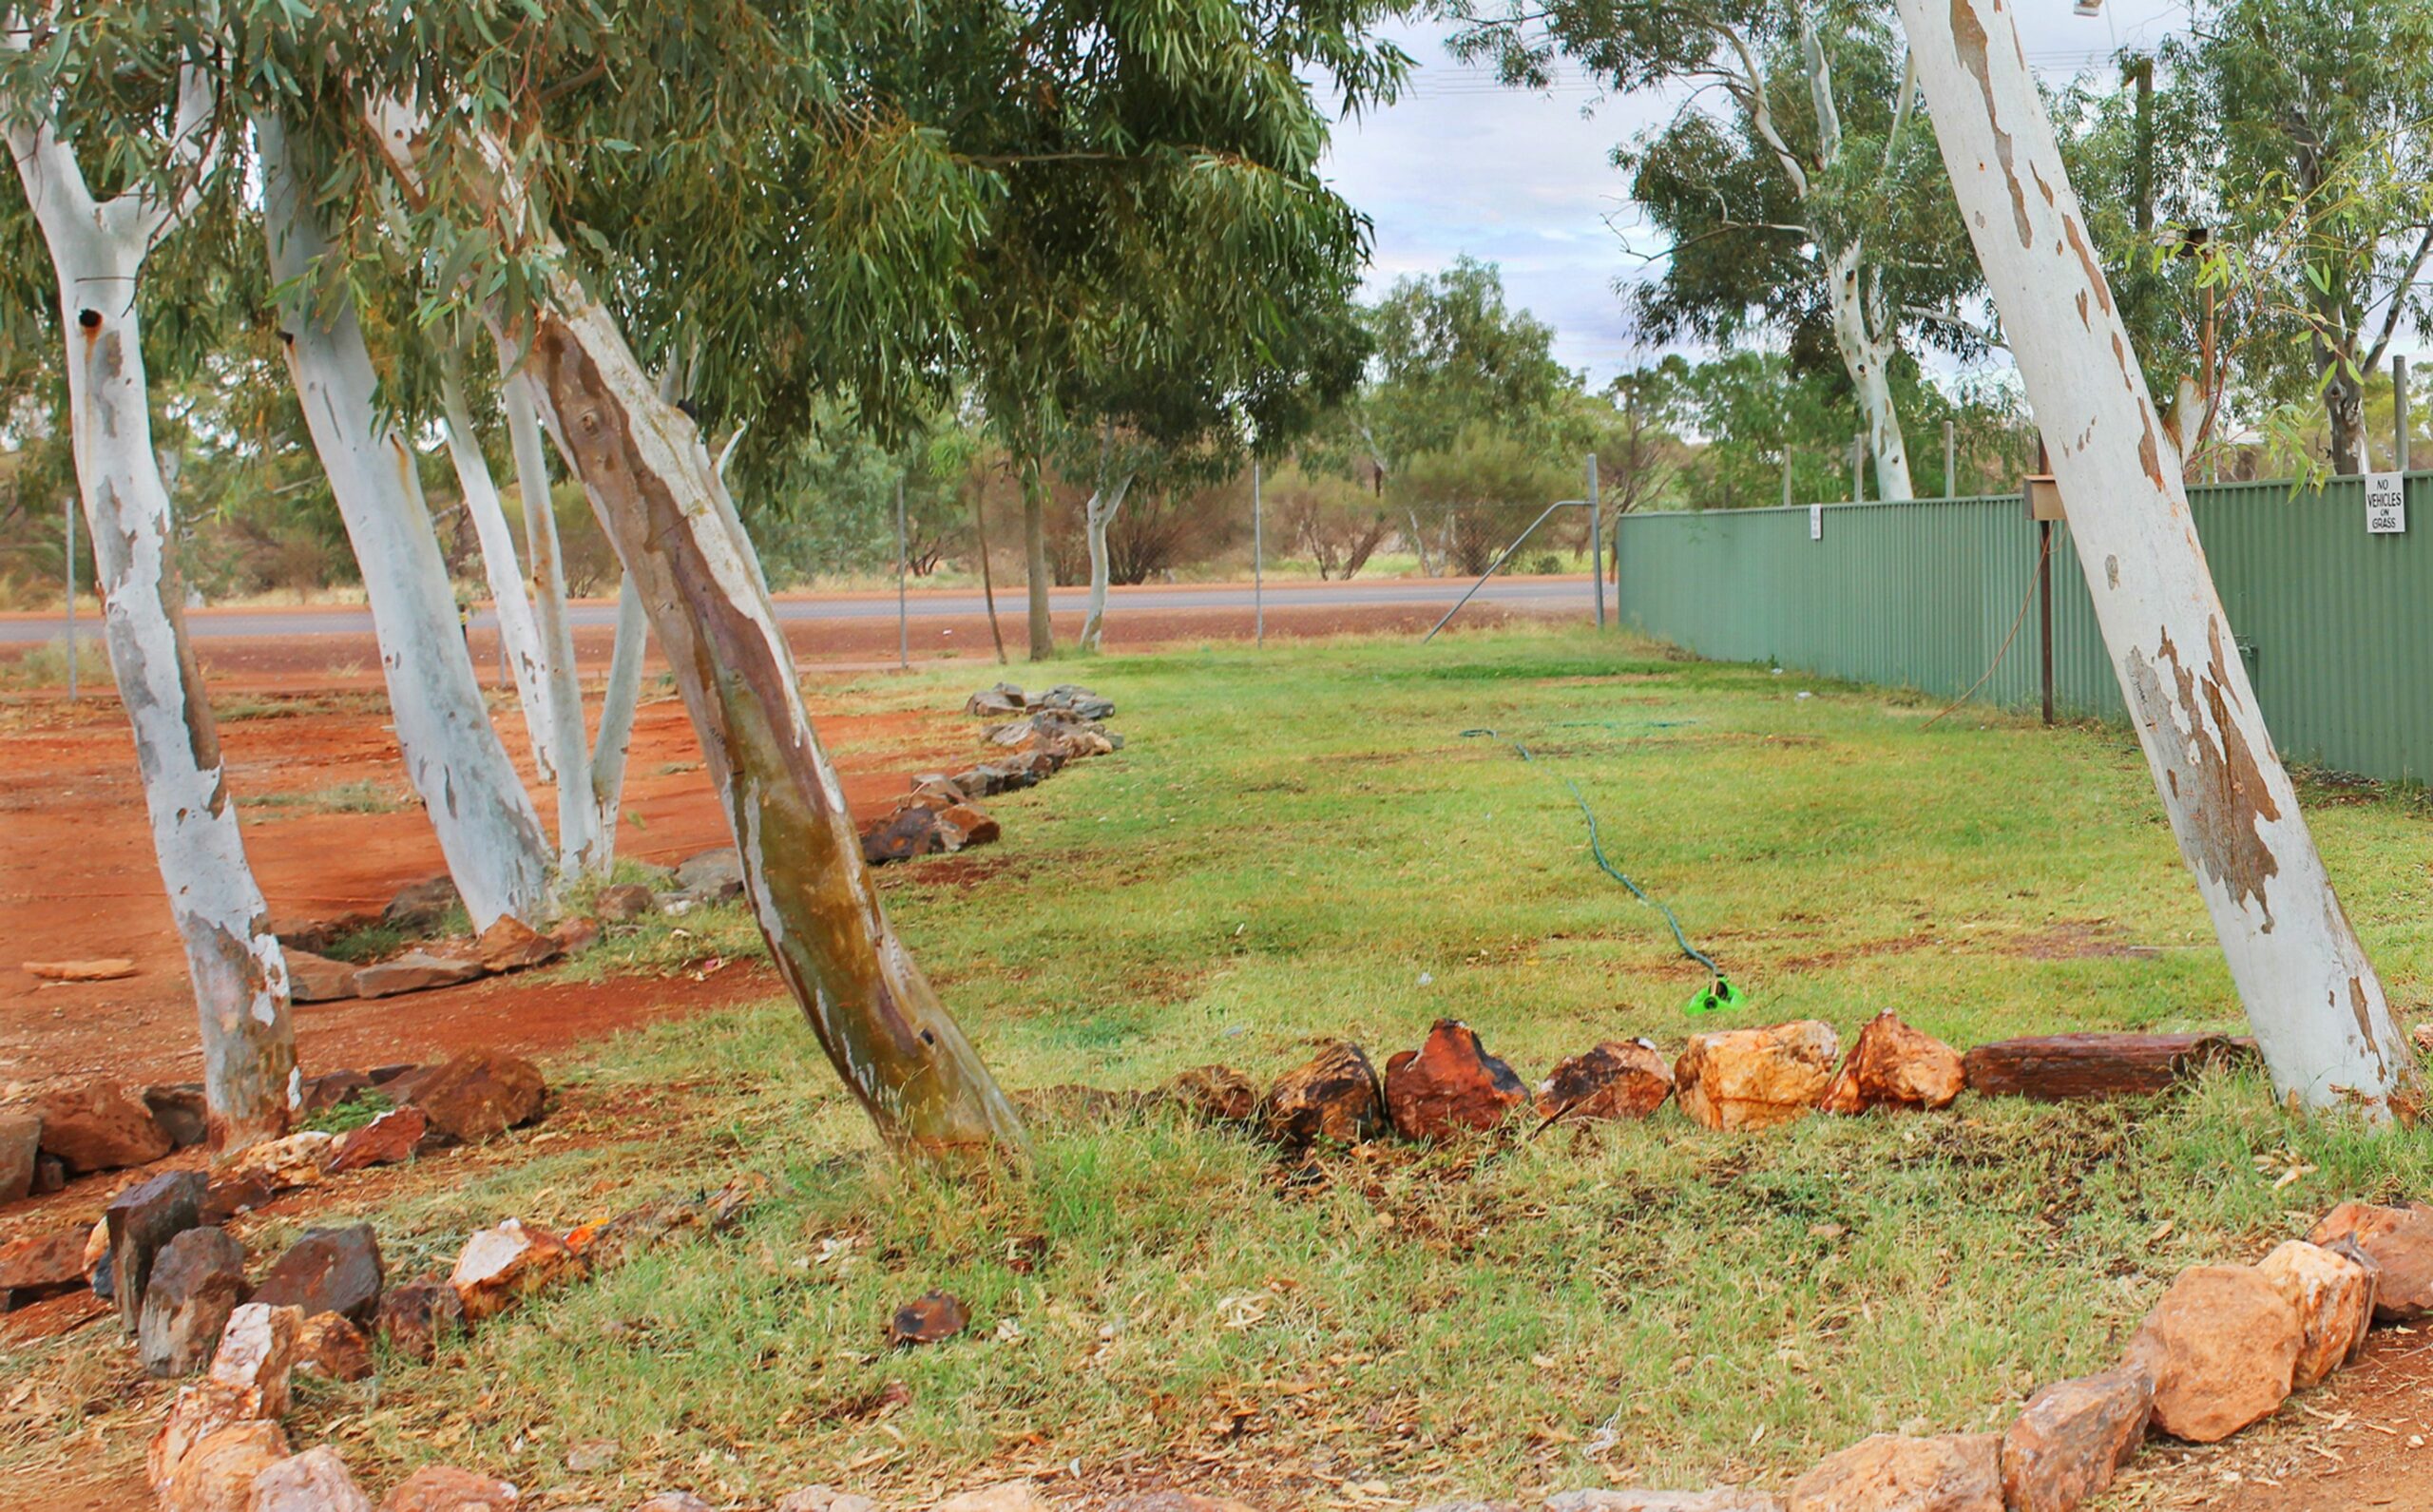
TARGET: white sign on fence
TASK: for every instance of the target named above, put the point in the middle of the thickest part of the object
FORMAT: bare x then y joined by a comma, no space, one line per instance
1816,522
2385,504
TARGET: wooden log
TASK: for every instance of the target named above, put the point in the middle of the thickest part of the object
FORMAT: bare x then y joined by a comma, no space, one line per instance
2064,1067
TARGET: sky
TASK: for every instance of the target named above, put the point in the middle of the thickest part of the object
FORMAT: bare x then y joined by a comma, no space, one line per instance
1462,164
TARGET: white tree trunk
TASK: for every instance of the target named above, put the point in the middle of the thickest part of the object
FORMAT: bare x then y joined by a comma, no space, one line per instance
239,975
579,838
488,830
499,566
617,702
2313,998
1095,517
1866,355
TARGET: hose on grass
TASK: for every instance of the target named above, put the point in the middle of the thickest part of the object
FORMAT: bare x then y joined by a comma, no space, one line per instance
1721,994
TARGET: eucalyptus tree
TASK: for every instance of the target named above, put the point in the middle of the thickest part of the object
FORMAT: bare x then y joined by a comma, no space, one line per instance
1814,206
2317,1006
150,124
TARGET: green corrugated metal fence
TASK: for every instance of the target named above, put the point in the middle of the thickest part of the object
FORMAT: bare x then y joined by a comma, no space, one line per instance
2336,626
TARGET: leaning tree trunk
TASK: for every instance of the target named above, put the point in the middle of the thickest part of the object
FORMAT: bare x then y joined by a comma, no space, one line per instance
516,628
492,839
580,844
239,975
617,701
2310,993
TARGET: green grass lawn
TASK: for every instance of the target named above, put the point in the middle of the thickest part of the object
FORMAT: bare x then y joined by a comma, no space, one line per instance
1300,842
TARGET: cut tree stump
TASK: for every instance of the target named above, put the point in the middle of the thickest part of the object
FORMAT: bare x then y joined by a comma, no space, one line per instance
2065,1068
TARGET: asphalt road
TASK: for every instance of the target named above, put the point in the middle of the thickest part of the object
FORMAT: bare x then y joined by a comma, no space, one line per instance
1540,593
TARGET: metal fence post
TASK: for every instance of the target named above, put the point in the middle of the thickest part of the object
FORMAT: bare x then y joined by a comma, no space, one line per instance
1596,544
1258,560
69,513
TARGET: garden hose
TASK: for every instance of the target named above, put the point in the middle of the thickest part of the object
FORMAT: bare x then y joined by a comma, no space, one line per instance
1718,994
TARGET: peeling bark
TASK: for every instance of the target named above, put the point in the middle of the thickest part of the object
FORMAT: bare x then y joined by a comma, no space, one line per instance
2315,1003
238,973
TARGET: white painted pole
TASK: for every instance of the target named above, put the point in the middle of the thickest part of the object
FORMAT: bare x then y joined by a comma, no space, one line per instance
1258,559
2314,999
1596,544
69,510
903,553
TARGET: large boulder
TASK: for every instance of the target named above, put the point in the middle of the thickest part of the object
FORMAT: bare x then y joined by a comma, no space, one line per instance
1620,1078
141,1221
1333,1097
327,1271
315,1481
2073,1438
2222,1346
388,1139
96,1124
2399,1241
1449,1086
198,1280
712,876
422,906
499,1264
1893,1065
2334,1295
478,1096
1756,1079
416,971
445,1489
418,1317
1891,1473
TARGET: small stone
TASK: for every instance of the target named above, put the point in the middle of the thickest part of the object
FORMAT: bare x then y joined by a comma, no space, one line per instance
20,1147
1891,1473
2399,1241
511,945
181,1111
1333,1097
480,1095
317,978
330,1345
2073,1438
2223,1348
422,906
198,1280
501,1264
315,1481
415,972
625,903
575,936
329,1089
675,1502
218,1474
824,1499
901,836
94,969
386,1141
1620,1078
444,1488
51,1173
1215,1094
1756,1079
42,1265
1893,1065
1449,1086
95,1124
328,1271
1721,1498
282,1164
931,1319
713,876
418,1317
257,1354
2335,1297
1006,1496
141,1219
971,826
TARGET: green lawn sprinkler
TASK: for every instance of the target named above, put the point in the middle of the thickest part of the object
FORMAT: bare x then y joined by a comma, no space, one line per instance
1716,997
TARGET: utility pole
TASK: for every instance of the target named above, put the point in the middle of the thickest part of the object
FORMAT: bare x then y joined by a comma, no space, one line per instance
1258,559
2399,414
902,562
1596,544
69,513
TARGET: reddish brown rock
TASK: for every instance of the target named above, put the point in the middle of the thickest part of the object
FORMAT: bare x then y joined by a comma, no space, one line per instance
2399,1241
511,945
1176,1501
1333,1097
1215,1094
421,908
1893,1065
139,1221
625,903
2334,1295
499,1264
225,1197
675,1502
2074,1067
282,1164
966,825
1889,1473
42,1265
257,1354
2073,1438
181,1111
327,1271
90,969
317,978
95,1124
901,836
2222,1346
388,1139
200,1409
1449,1086
480,1095
418,1317
331,1346
218,1474
415,972
20,1147
198,1280
331,1088
929,1319
1620,1078
575,936
315,1481
444,1488
1756,1079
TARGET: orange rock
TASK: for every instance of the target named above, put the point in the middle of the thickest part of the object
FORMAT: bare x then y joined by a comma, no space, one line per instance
1888,1473
2073,1438
501,1264
2398,1242
1333,1097
315,1481
331,1344
444,1488
95,1124
282,1164
2223,1347
479,1094
1756,1079
511,945
200,1409
256,1354
1894,1065
216,1475
386,1141
1449,1086
2335,1297
1620,1078
100,968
